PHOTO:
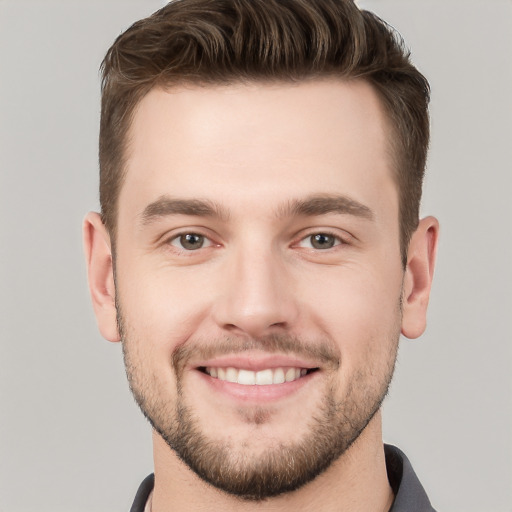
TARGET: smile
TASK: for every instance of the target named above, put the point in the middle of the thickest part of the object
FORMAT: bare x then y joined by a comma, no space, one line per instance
256,378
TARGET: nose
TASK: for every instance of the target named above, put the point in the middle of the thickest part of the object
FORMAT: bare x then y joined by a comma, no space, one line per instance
256,295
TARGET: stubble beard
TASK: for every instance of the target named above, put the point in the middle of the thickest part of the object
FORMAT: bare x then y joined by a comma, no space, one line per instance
284,467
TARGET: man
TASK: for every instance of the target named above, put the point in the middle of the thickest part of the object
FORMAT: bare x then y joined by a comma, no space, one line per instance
259,251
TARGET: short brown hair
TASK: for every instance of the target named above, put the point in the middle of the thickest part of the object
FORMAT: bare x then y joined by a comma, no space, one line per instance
225,41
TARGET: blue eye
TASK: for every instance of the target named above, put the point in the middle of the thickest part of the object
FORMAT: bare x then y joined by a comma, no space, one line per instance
190,241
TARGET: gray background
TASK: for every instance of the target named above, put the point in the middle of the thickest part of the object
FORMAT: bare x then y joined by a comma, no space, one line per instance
71,438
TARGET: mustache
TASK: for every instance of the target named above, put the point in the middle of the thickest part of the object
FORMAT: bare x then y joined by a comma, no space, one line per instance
321,350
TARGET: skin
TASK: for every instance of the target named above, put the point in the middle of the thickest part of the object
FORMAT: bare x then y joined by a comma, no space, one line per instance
253,150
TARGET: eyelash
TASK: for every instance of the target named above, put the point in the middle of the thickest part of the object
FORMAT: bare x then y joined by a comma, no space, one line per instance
338,240
180,236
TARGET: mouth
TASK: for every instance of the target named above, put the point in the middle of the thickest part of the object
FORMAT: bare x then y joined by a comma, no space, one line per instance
264,377
255,377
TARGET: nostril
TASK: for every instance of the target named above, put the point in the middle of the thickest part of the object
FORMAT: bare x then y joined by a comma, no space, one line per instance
231,327
278,324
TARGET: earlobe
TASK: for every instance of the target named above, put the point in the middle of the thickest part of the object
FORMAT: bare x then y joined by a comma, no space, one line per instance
418,277
98,257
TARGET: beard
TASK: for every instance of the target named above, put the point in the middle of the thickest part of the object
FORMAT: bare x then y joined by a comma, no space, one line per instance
283,466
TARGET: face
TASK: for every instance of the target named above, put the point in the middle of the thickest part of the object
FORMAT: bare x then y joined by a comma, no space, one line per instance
258,276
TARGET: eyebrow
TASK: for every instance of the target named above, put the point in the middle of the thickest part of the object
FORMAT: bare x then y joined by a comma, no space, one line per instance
309,207
166,205
327,203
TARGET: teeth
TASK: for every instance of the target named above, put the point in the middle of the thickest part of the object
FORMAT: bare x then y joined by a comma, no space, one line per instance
261,378
231,375
278,376
290,374
246,377
264,377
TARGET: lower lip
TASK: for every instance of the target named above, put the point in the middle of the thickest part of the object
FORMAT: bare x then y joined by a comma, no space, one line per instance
256,393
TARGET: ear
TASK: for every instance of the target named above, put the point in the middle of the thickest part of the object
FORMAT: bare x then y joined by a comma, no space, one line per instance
418,277
98,258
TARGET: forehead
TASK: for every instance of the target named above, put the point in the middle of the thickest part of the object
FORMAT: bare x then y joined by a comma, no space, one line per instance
260,141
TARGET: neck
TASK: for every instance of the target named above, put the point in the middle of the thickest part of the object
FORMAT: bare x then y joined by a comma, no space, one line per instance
356,482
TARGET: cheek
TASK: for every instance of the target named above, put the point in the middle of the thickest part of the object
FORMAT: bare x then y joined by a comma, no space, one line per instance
163,306
359,308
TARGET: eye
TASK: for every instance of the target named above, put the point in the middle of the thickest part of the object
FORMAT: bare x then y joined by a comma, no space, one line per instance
320,241
190,241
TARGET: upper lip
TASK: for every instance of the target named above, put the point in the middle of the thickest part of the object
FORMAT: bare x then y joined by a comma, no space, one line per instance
256,362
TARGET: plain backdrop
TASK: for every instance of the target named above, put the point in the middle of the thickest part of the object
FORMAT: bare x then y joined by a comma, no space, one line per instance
71,438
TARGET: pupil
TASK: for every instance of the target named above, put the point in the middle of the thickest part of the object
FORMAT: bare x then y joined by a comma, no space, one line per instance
192,241
322,241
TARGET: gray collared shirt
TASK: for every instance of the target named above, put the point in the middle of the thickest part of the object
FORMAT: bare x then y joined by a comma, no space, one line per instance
409,493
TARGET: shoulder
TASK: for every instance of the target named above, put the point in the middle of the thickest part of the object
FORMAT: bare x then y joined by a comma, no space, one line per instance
409,493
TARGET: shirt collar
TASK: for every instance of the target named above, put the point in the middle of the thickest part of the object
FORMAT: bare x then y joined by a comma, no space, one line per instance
409,493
